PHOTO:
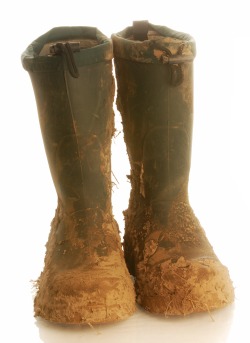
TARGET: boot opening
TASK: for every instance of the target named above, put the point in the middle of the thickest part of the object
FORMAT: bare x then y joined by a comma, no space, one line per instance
142,30
154,35
84,44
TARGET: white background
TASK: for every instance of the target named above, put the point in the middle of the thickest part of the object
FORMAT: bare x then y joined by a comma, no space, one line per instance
219,181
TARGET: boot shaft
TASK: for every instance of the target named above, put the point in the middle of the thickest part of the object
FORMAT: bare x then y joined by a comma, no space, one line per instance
155,98
71,74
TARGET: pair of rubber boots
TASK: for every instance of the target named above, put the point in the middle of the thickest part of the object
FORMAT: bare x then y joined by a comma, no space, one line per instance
86,278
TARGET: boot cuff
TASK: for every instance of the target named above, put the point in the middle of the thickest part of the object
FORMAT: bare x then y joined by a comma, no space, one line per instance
94,47
161,44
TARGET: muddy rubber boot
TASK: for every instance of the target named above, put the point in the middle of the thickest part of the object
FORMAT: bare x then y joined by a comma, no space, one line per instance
85,278
166,249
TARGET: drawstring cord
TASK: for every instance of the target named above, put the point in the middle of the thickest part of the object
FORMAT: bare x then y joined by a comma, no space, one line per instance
67,49
175,62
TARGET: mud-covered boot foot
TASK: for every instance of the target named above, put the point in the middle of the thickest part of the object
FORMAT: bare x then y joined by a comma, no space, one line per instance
177,272
85,279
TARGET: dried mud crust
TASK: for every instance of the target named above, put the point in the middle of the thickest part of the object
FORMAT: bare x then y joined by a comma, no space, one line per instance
84,281
183,287
176,270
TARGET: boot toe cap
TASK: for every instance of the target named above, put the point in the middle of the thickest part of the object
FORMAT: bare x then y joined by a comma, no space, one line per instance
82,296
184,286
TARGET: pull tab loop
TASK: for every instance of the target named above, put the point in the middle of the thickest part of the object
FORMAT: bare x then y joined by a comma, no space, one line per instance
66,49
140,30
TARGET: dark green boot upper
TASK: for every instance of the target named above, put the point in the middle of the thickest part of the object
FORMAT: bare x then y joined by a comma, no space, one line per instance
155,98
74,91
